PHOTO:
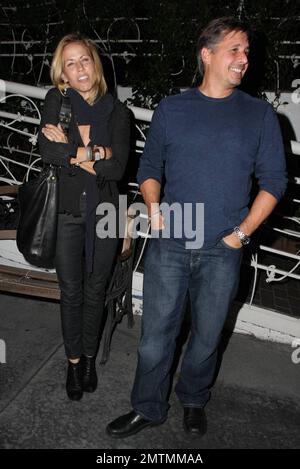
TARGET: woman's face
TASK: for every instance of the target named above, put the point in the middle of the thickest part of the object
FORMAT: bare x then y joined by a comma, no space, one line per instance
78,68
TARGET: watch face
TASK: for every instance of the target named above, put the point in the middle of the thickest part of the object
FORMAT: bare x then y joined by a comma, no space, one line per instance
244,239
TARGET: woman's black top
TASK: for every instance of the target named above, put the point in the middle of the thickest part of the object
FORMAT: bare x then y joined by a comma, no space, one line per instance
113,129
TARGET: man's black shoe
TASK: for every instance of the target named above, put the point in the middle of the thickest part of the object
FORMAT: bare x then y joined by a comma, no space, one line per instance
128,425
89,375
194,420
74,381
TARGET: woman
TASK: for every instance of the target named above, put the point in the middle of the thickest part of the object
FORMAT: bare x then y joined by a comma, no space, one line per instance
99,127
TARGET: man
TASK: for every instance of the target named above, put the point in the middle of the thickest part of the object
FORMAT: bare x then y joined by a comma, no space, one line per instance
210,140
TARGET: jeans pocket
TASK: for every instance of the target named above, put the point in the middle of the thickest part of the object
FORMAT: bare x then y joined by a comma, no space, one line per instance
231,248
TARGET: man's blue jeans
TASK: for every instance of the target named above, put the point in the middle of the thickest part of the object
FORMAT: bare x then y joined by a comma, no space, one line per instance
210,277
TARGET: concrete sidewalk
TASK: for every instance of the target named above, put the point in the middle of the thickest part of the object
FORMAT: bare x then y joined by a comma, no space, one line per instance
255,402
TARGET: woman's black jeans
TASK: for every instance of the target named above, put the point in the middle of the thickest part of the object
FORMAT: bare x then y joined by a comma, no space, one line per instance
82,294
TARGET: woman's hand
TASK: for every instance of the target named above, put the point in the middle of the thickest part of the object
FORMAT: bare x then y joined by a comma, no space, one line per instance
105,152
88,166
54,133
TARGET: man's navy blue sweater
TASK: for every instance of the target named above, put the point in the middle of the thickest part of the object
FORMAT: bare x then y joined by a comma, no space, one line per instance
208,149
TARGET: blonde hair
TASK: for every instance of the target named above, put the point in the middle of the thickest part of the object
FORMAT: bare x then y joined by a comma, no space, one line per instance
100,87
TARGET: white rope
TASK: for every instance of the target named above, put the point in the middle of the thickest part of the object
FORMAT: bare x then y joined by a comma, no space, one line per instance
271,272
142,250
254,264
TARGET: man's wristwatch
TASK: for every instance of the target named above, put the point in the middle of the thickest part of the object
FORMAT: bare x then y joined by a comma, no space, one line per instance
244,239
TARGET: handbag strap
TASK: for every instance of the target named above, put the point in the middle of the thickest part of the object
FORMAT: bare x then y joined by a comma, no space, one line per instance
65,113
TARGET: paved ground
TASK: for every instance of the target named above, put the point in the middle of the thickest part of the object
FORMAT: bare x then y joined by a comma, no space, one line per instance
255,402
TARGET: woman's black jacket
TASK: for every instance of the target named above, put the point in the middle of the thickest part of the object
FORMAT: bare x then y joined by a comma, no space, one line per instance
73,178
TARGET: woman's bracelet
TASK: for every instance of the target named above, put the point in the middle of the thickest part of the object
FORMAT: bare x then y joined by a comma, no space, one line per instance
104,149
93,154
97,154
89,153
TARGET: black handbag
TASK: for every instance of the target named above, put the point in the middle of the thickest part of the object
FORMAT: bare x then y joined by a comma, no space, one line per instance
38,203
36,233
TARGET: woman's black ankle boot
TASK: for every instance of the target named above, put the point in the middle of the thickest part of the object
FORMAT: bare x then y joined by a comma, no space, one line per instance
74,381
90,379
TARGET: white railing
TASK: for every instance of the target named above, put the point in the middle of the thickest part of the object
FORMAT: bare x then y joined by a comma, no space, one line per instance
274,274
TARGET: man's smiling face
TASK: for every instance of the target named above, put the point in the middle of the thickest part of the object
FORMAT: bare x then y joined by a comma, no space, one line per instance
226,63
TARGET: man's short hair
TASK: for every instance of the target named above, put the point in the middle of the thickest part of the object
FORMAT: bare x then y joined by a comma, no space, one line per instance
215,32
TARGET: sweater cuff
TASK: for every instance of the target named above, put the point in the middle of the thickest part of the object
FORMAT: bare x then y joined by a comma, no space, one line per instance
141,177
